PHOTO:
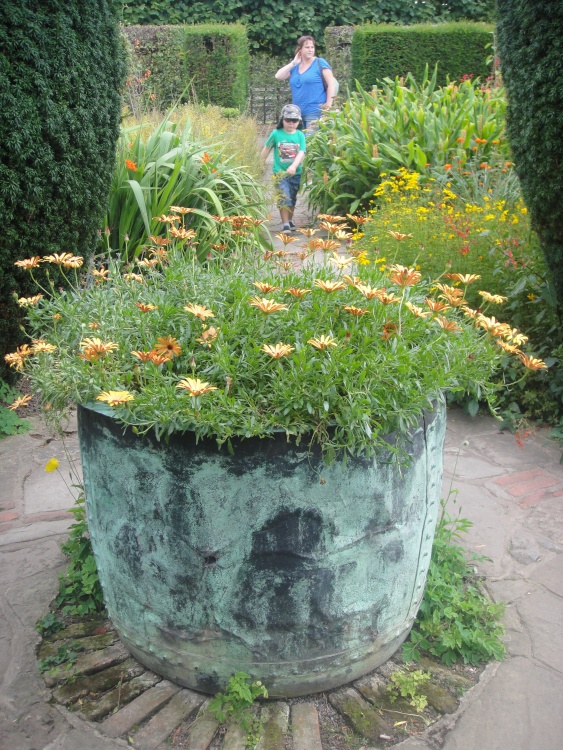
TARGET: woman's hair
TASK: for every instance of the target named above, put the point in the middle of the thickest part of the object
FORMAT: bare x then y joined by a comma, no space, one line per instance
301,41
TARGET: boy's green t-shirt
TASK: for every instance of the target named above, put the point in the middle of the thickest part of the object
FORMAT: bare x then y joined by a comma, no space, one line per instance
286,147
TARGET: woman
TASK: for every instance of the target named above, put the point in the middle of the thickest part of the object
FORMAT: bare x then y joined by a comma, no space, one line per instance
311,81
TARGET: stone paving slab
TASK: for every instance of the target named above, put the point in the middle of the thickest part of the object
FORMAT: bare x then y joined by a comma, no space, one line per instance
161,726
139,710
305,727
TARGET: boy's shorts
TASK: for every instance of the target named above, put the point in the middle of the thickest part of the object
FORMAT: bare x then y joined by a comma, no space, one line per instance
287,189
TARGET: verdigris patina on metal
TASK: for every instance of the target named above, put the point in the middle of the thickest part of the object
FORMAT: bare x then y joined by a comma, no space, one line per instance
265,561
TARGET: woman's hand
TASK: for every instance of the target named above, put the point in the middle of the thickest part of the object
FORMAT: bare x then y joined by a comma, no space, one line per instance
284,73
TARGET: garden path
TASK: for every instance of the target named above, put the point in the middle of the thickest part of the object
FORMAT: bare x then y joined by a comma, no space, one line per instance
514,496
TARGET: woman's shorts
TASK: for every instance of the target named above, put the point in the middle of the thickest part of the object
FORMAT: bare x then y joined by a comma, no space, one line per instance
310,122
287,188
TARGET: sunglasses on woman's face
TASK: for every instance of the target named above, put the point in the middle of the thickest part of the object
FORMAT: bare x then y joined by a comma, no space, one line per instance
290,119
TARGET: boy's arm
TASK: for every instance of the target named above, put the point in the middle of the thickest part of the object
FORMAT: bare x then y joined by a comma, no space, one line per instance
292,169
265,152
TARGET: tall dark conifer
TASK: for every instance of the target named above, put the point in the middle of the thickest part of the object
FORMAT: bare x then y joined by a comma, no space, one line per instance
61,69
530,45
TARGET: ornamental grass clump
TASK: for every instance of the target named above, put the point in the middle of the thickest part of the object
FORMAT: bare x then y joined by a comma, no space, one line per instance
333,352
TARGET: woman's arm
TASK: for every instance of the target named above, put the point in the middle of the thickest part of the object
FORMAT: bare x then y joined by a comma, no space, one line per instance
284,73
329,80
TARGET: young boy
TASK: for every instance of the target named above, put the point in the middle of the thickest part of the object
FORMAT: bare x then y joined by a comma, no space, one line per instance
289,151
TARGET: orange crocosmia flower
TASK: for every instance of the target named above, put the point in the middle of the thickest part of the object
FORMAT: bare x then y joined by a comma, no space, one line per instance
463,278
39,346
207,337
205,157
100,275
532,363
20,401
403,276
143,356
200,311
195,386
279,350
330,286
323,342
57,259
484,165
399,235
180,233
356,310
94,325
389,329
480,140
367,291
492,325
29,301
296,292
164,219
460,140
114,398
510,348
331,227
448,166
352,280
331,217
130,165
497,299
146,308
386,299
28,263
326,245
286,238
167,346
436,306
93,348
267,306
447,325
264,287
160,241
418,311
358,219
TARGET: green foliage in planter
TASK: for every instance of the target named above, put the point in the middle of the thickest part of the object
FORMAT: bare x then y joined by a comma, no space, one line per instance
170,167
192,347
386,51
208,63
530,44
61,68
457,620
274,26
410,124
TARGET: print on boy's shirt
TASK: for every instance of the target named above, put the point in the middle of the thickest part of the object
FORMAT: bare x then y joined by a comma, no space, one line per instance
287,151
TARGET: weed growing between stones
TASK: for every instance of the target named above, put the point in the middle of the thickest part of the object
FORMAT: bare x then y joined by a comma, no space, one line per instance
457,620
236,704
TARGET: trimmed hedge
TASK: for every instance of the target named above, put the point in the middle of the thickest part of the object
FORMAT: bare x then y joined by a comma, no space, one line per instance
385,51
209,63
530,44
275,25
61,69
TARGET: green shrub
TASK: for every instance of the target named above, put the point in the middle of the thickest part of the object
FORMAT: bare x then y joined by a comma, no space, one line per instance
530,43
400,124
386,51
61,68
170,167
208,63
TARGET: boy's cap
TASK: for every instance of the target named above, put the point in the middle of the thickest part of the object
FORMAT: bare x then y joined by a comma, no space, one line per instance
291,111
